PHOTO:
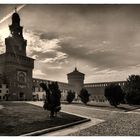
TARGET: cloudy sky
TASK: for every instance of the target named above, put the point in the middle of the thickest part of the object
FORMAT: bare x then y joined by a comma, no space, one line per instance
103,41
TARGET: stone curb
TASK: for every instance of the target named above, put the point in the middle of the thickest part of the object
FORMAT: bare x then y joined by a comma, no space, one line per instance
41,132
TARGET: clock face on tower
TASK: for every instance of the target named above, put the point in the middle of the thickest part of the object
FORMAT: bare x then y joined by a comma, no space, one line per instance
21,76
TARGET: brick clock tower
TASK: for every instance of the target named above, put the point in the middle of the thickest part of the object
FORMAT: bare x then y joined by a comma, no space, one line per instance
14,63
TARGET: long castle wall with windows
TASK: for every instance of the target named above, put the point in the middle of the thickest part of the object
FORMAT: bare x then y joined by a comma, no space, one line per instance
96,90
37,90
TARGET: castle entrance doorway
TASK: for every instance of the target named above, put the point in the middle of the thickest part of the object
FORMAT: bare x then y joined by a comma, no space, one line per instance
21,96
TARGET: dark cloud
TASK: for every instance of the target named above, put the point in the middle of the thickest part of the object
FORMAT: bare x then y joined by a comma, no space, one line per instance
104,57
40,55
49,35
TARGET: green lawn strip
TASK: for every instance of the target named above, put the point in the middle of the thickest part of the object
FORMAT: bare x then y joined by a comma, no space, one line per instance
21,118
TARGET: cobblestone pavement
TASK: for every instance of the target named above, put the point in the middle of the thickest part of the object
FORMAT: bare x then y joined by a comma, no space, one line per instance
84,111
116,123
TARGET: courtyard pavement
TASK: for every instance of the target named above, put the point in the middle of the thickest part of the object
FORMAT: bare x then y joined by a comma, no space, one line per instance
1,107
103,122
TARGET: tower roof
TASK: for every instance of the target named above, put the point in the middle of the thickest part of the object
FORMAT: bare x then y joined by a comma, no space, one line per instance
15,17
75,72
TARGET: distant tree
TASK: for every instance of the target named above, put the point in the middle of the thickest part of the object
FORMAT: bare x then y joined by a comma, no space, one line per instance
84,95
70,96
37,96
132,89
114,94
34,97
53,96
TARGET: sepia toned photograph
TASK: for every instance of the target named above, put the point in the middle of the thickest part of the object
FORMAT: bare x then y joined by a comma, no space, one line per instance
69,70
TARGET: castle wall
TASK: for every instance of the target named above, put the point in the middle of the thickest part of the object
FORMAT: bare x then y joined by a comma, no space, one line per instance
38,91
96,90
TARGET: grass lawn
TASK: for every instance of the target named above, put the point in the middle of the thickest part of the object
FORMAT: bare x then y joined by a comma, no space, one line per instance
21,118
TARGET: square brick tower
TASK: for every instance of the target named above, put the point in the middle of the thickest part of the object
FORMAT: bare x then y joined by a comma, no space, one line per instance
76,80
15,65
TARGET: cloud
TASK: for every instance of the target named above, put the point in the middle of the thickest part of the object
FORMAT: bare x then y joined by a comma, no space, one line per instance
44,49
49,35
55,67
103,55
41,56
36,44
102,39
58,59
49,60
38,73
61,51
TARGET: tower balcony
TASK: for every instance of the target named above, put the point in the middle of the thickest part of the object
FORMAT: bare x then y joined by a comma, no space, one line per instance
11,58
